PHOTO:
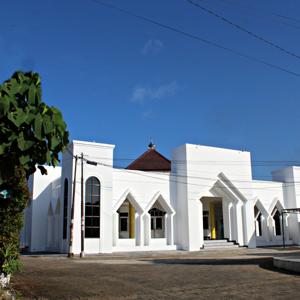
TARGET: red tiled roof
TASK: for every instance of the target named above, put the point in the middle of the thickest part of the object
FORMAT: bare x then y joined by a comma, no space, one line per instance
151,160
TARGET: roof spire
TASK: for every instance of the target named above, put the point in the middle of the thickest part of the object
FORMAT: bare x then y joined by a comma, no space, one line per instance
151,144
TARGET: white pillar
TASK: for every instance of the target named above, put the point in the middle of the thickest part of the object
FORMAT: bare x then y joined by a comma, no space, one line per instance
147,229
201,231
238,223
226,218
169,231
115,228
249,224
286,227
231,221
264,227
140,231
270,228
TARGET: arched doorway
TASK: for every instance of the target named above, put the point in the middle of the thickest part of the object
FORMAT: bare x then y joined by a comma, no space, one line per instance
126,220
213,224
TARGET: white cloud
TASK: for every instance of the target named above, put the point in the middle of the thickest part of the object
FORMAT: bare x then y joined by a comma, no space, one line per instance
142,94
152,46
148,114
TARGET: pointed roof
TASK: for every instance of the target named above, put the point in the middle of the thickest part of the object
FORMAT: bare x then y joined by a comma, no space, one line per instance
151,160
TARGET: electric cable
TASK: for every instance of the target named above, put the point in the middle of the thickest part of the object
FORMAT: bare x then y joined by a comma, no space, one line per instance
239,27
253,12
196,37
147,175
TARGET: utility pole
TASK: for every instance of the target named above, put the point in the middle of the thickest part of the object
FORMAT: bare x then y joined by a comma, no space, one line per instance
70,253
82,210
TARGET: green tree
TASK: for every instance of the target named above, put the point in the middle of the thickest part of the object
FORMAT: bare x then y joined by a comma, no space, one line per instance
32,134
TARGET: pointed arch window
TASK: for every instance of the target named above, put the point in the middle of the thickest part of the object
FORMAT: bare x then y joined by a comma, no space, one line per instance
92,208
65,215
277,222
157,223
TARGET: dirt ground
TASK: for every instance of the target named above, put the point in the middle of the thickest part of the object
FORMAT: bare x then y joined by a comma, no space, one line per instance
228,274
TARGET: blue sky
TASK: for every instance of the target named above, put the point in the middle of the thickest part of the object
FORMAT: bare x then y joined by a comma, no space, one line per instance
120,80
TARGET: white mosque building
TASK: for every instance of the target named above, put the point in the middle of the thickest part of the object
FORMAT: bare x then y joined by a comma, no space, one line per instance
202,194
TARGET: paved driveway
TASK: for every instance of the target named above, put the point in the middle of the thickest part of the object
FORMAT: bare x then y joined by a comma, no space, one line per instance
228,274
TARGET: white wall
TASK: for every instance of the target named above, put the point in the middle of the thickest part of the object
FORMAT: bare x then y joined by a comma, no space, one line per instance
197,171
46,188
267,192
291,190
144,188
103,154
143,185
180,193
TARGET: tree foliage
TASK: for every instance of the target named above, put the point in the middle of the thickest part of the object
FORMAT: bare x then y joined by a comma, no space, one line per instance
31,134
11,222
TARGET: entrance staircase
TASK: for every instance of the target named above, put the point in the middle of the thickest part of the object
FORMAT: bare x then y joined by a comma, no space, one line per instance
219,245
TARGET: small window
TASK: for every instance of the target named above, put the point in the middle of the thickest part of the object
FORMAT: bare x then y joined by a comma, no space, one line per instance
205,220
123,214
124,224
158,223
156,212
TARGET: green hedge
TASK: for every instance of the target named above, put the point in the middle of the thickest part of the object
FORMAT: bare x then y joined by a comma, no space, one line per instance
11,221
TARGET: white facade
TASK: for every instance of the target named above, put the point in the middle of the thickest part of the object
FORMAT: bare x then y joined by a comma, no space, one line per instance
208,194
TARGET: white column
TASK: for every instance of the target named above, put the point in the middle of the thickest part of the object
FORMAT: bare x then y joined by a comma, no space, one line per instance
286,227
169,231
238,223
264,226
226,218
140,231
234,223
231,221
201,236
147,229
249,225
115,228
270,228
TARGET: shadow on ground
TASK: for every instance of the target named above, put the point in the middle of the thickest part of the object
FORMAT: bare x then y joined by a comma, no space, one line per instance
264,263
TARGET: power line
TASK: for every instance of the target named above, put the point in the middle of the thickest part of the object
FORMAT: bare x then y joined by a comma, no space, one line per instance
239,27
196,37
221,162
210,163
210,173
272,13
173,175
287,17
145,174
256,163
266,14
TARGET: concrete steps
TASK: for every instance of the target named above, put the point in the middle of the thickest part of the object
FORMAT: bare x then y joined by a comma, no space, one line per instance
219,245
